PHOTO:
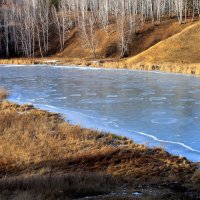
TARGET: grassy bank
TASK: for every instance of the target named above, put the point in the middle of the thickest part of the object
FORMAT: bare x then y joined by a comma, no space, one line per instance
17,61
181,68
43,156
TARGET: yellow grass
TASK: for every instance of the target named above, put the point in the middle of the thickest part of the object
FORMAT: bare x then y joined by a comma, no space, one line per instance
34,137
3,93
108,44
181,48
30,136
179,53
17,61
40,151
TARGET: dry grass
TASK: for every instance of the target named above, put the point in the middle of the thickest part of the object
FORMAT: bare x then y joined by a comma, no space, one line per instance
32,140
108,44
181,48
168,47
17,61
42,155
179,54
3,93
36,136
165,67
35,142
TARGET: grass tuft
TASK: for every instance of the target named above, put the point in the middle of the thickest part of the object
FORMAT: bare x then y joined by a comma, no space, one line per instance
3,94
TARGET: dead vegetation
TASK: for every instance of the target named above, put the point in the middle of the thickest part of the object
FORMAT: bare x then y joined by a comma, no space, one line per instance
38,139
179,54
41,152
108,48
182,68
3,93
17,61
181,48
165,47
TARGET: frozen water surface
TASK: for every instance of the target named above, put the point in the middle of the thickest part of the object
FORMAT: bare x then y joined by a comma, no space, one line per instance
158,109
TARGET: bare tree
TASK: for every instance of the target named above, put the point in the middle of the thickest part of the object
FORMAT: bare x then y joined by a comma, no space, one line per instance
87,30
29,26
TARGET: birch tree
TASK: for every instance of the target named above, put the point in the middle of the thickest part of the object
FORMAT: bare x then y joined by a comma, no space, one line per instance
31,26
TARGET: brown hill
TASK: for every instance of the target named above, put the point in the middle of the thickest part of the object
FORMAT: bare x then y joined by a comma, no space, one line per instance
183,47
145,38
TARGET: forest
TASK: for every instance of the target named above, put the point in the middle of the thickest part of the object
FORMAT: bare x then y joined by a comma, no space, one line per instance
28,27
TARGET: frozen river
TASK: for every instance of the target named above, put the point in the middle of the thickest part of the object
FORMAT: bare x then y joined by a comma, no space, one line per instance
157,109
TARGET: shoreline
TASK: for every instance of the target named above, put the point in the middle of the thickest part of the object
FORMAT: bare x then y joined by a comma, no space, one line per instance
83,156
140,137
176,68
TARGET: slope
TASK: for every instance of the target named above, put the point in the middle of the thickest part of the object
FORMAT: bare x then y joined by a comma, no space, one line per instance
108,44
183,47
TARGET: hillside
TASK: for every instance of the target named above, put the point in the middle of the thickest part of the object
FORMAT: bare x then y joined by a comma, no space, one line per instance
108,44
183,47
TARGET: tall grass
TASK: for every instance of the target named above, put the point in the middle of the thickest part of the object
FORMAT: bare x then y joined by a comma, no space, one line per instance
17,61
3,93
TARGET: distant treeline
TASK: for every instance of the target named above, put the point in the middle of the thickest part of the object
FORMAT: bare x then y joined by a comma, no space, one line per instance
29,26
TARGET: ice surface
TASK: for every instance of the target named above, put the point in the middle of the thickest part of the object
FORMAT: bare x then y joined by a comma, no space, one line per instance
164,120
144,106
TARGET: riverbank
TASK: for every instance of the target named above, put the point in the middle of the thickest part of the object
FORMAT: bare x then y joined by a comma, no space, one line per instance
41,154
180,68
